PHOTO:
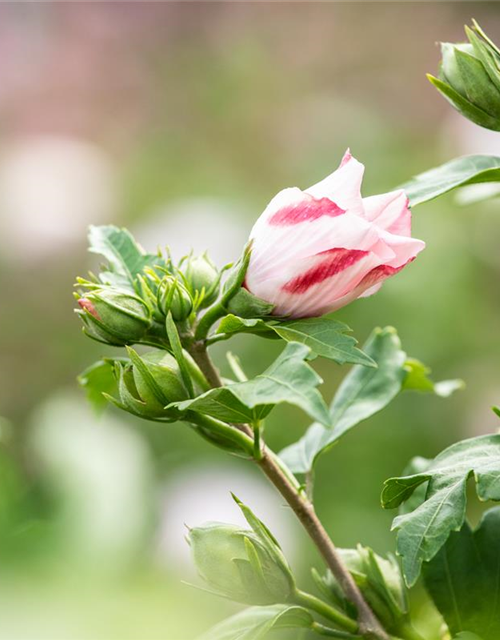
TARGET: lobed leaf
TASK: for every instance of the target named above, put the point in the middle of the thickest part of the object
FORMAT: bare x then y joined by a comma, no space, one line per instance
289,379
364,392
424,530
324,336
125,257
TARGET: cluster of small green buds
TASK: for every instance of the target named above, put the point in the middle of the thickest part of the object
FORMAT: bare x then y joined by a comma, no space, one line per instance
113,316
148,383
173,296
379,580
202,278
469,78
236,564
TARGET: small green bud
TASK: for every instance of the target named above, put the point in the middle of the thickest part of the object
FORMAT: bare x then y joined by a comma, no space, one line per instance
202,277
469,78
173,296
379,580
114,316
149,383
235,563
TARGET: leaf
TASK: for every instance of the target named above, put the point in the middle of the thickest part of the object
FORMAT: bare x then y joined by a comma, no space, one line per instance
289,379
417,379
256,622
126,258
364,392
324,336
231,324
97,379
456,173
423,531
463,579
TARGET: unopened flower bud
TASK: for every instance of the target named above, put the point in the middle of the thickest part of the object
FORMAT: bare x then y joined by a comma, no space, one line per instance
203,278
174,297
149,383
469,78
114,316
381,583
235,563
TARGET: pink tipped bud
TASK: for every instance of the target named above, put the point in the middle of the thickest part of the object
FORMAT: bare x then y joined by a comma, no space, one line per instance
88,306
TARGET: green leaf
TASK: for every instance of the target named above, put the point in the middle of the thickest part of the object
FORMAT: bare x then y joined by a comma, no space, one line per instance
97,379
256,622
364,392
463,106
456,173
417,379
478,86
463,579
423,531
231,324
324,336
125,257
289,379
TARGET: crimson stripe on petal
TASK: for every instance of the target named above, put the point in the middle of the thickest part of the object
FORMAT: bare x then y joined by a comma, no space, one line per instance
335,261
305,211
381,273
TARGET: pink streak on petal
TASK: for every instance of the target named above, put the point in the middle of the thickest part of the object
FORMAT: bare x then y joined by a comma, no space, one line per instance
335,261
343,186
306,211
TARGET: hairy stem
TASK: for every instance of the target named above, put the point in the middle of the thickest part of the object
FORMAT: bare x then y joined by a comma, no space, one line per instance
281,478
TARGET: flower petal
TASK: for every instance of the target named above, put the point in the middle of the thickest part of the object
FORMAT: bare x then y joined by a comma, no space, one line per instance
343,186
390,212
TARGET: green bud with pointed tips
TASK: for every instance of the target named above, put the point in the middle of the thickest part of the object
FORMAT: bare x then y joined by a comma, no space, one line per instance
113,316
173,296
148,383
202,277
379,580
469,78
234,563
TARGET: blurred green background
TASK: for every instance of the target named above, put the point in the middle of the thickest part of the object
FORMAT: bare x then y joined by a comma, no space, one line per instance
181,121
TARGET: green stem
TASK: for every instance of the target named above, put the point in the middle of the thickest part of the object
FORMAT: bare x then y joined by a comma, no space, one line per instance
315,604
223,431
332,633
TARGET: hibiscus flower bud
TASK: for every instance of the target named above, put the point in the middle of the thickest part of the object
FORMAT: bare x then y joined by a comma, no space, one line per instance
235,563
202,276
173,296
381,583
149,383
113,316
317,250
469,78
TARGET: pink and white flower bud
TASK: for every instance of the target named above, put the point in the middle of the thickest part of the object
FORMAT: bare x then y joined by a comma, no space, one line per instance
317,250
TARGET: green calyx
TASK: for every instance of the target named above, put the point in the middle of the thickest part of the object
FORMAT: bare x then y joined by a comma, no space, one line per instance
148,383
469,78
113,316
234,562
173,296
379,580
202,278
